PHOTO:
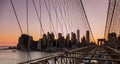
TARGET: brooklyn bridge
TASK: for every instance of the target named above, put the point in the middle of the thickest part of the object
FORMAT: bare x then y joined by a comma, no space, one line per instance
64,29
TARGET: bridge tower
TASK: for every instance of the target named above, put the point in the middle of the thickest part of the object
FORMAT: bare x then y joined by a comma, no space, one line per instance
101,41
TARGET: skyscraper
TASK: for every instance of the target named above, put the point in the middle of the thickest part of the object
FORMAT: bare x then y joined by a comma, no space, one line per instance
87,36
78,35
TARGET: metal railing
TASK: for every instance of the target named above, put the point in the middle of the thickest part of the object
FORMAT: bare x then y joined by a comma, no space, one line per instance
72,57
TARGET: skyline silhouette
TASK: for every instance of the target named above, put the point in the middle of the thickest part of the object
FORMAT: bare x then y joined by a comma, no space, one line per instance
96,12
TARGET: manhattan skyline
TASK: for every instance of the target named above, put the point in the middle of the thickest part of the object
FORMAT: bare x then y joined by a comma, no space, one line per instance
96,11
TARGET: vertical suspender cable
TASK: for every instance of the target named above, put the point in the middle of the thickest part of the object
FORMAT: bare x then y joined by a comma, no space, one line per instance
49,16
18,23
27,16
38,16
70,21
56,21
57,15
16,17
62,18
117,17
62,15
49,11
66,15
112,16
107,19
28,52
69,15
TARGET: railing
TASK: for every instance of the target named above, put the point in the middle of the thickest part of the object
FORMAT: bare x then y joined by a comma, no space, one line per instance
72,57
54,57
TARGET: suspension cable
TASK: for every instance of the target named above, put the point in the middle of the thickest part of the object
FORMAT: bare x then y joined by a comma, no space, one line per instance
112,16
16,16
70,15
87,19
38,16
62,18
83,23
67,14
107,19
27,16
49,11
28,46
57,15
49,16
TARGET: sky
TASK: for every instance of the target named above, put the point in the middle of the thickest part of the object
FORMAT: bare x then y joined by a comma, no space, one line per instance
96,11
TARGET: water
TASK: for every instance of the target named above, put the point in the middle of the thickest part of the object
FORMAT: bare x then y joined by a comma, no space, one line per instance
10,57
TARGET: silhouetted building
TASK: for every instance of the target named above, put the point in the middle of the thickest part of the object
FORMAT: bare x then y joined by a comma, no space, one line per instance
60,41
23,42
118,42
39,45
73,40
53,42
111,37
87,36
119,39
42,43
83,39
78,36
48,42
68,42
33,45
